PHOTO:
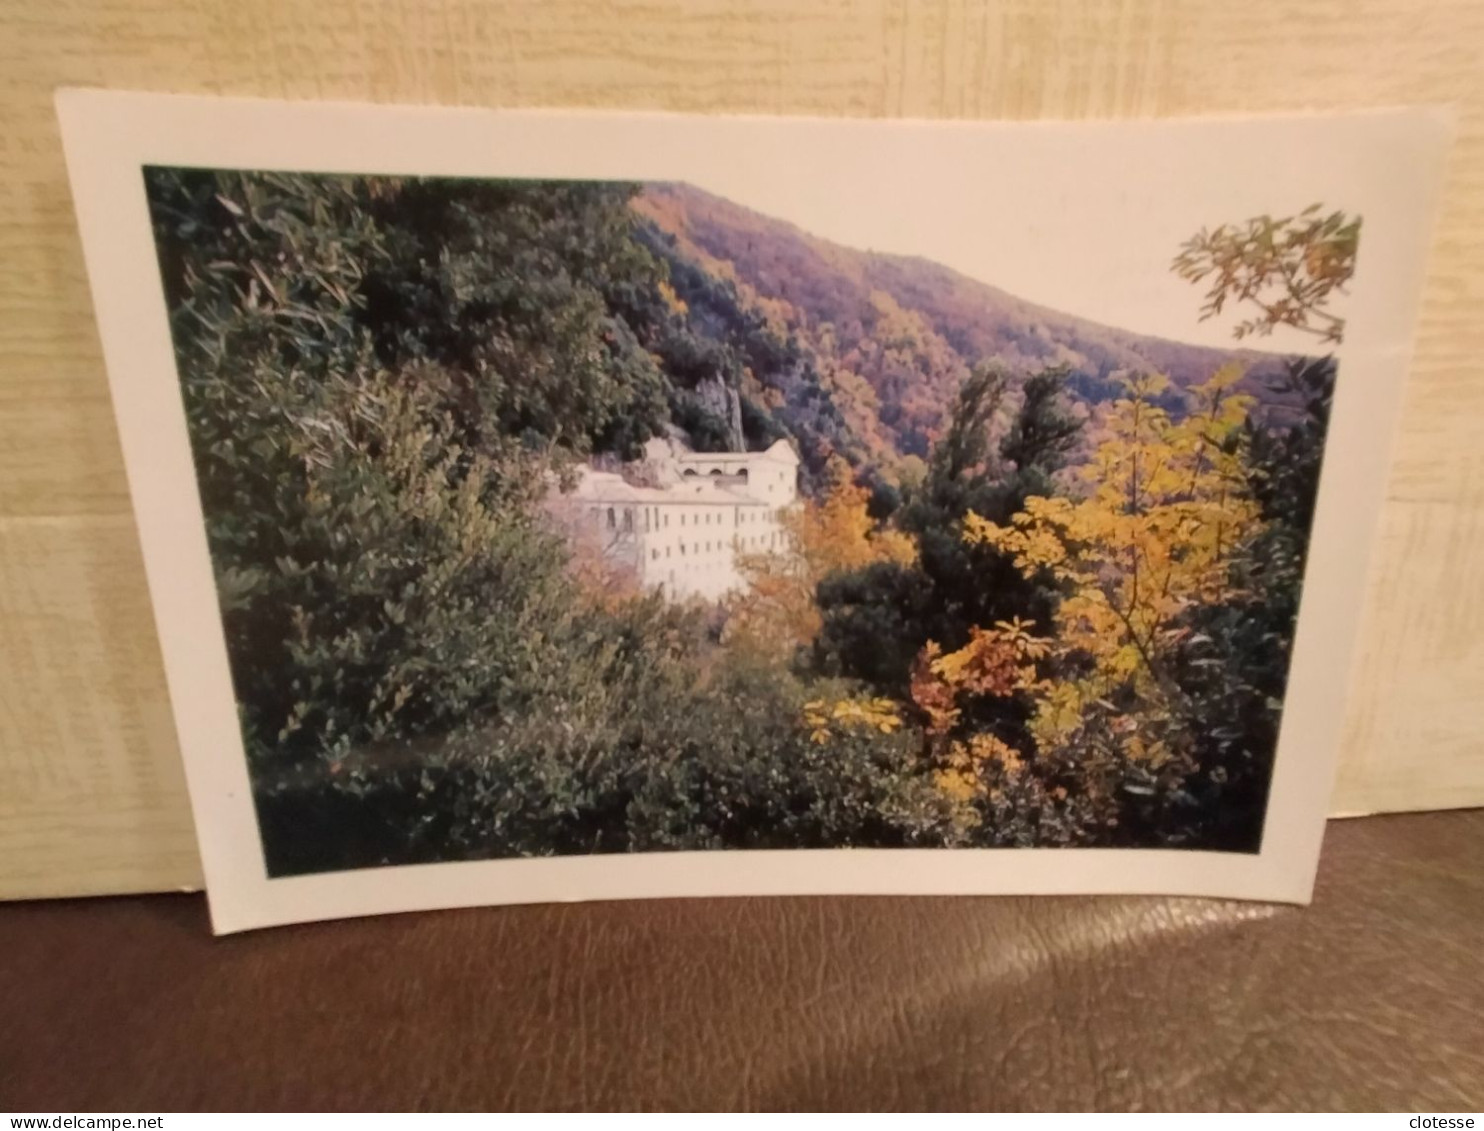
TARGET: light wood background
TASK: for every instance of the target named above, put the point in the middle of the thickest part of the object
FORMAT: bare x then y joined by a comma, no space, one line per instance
91,796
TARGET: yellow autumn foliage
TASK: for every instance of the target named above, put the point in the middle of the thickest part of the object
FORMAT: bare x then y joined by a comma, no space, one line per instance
1166,505
973,767
827,719
821,537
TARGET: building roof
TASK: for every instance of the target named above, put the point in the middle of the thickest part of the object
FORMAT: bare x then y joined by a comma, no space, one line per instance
781,451
608,487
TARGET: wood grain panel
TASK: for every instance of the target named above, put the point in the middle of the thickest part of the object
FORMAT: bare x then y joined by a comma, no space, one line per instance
90,793
92,800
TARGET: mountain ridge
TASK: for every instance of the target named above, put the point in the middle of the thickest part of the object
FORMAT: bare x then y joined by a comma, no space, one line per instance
892,336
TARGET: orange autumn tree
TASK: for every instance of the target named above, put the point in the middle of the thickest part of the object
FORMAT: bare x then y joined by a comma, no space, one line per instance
997,662
1167,506
835,533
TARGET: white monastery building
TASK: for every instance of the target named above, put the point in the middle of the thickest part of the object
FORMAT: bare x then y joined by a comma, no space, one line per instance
683,531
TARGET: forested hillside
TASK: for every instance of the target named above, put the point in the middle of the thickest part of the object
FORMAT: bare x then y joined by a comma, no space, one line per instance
1002,615
871,349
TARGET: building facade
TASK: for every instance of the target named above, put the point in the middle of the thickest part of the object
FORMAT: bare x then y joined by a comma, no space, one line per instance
695,513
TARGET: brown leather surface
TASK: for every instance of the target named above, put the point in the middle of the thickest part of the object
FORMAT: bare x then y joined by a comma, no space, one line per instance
1372,998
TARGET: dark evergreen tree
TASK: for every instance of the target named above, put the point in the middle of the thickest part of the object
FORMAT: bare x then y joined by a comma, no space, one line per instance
1233,664
877,620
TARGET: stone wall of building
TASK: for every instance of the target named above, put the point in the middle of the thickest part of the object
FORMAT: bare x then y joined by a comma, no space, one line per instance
684,528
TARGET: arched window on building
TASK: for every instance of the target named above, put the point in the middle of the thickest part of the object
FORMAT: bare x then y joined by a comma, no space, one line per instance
612,519
742,474
716,471
690,473
628,518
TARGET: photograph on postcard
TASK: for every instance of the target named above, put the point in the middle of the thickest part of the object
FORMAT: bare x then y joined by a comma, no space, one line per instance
570,517
549,505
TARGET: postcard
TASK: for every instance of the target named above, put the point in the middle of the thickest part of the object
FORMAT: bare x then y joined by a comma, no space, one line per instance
545,505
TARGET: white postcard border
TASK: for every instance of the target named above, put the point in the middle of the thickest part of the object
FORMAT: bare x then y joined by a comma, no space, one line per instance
1389,161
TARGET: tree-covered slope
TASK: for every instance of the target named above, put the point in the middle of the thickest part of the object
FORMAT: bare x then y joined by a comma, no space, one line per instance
876,346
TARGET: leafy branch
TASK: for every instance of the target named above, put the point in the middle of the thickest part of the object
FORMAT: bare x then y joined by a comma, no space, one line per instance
1289,268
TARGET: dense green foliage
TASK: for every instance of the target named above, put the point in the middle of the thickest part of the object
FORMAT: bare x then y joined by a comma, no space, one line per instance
1234,663
375,409
385,377
878,619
